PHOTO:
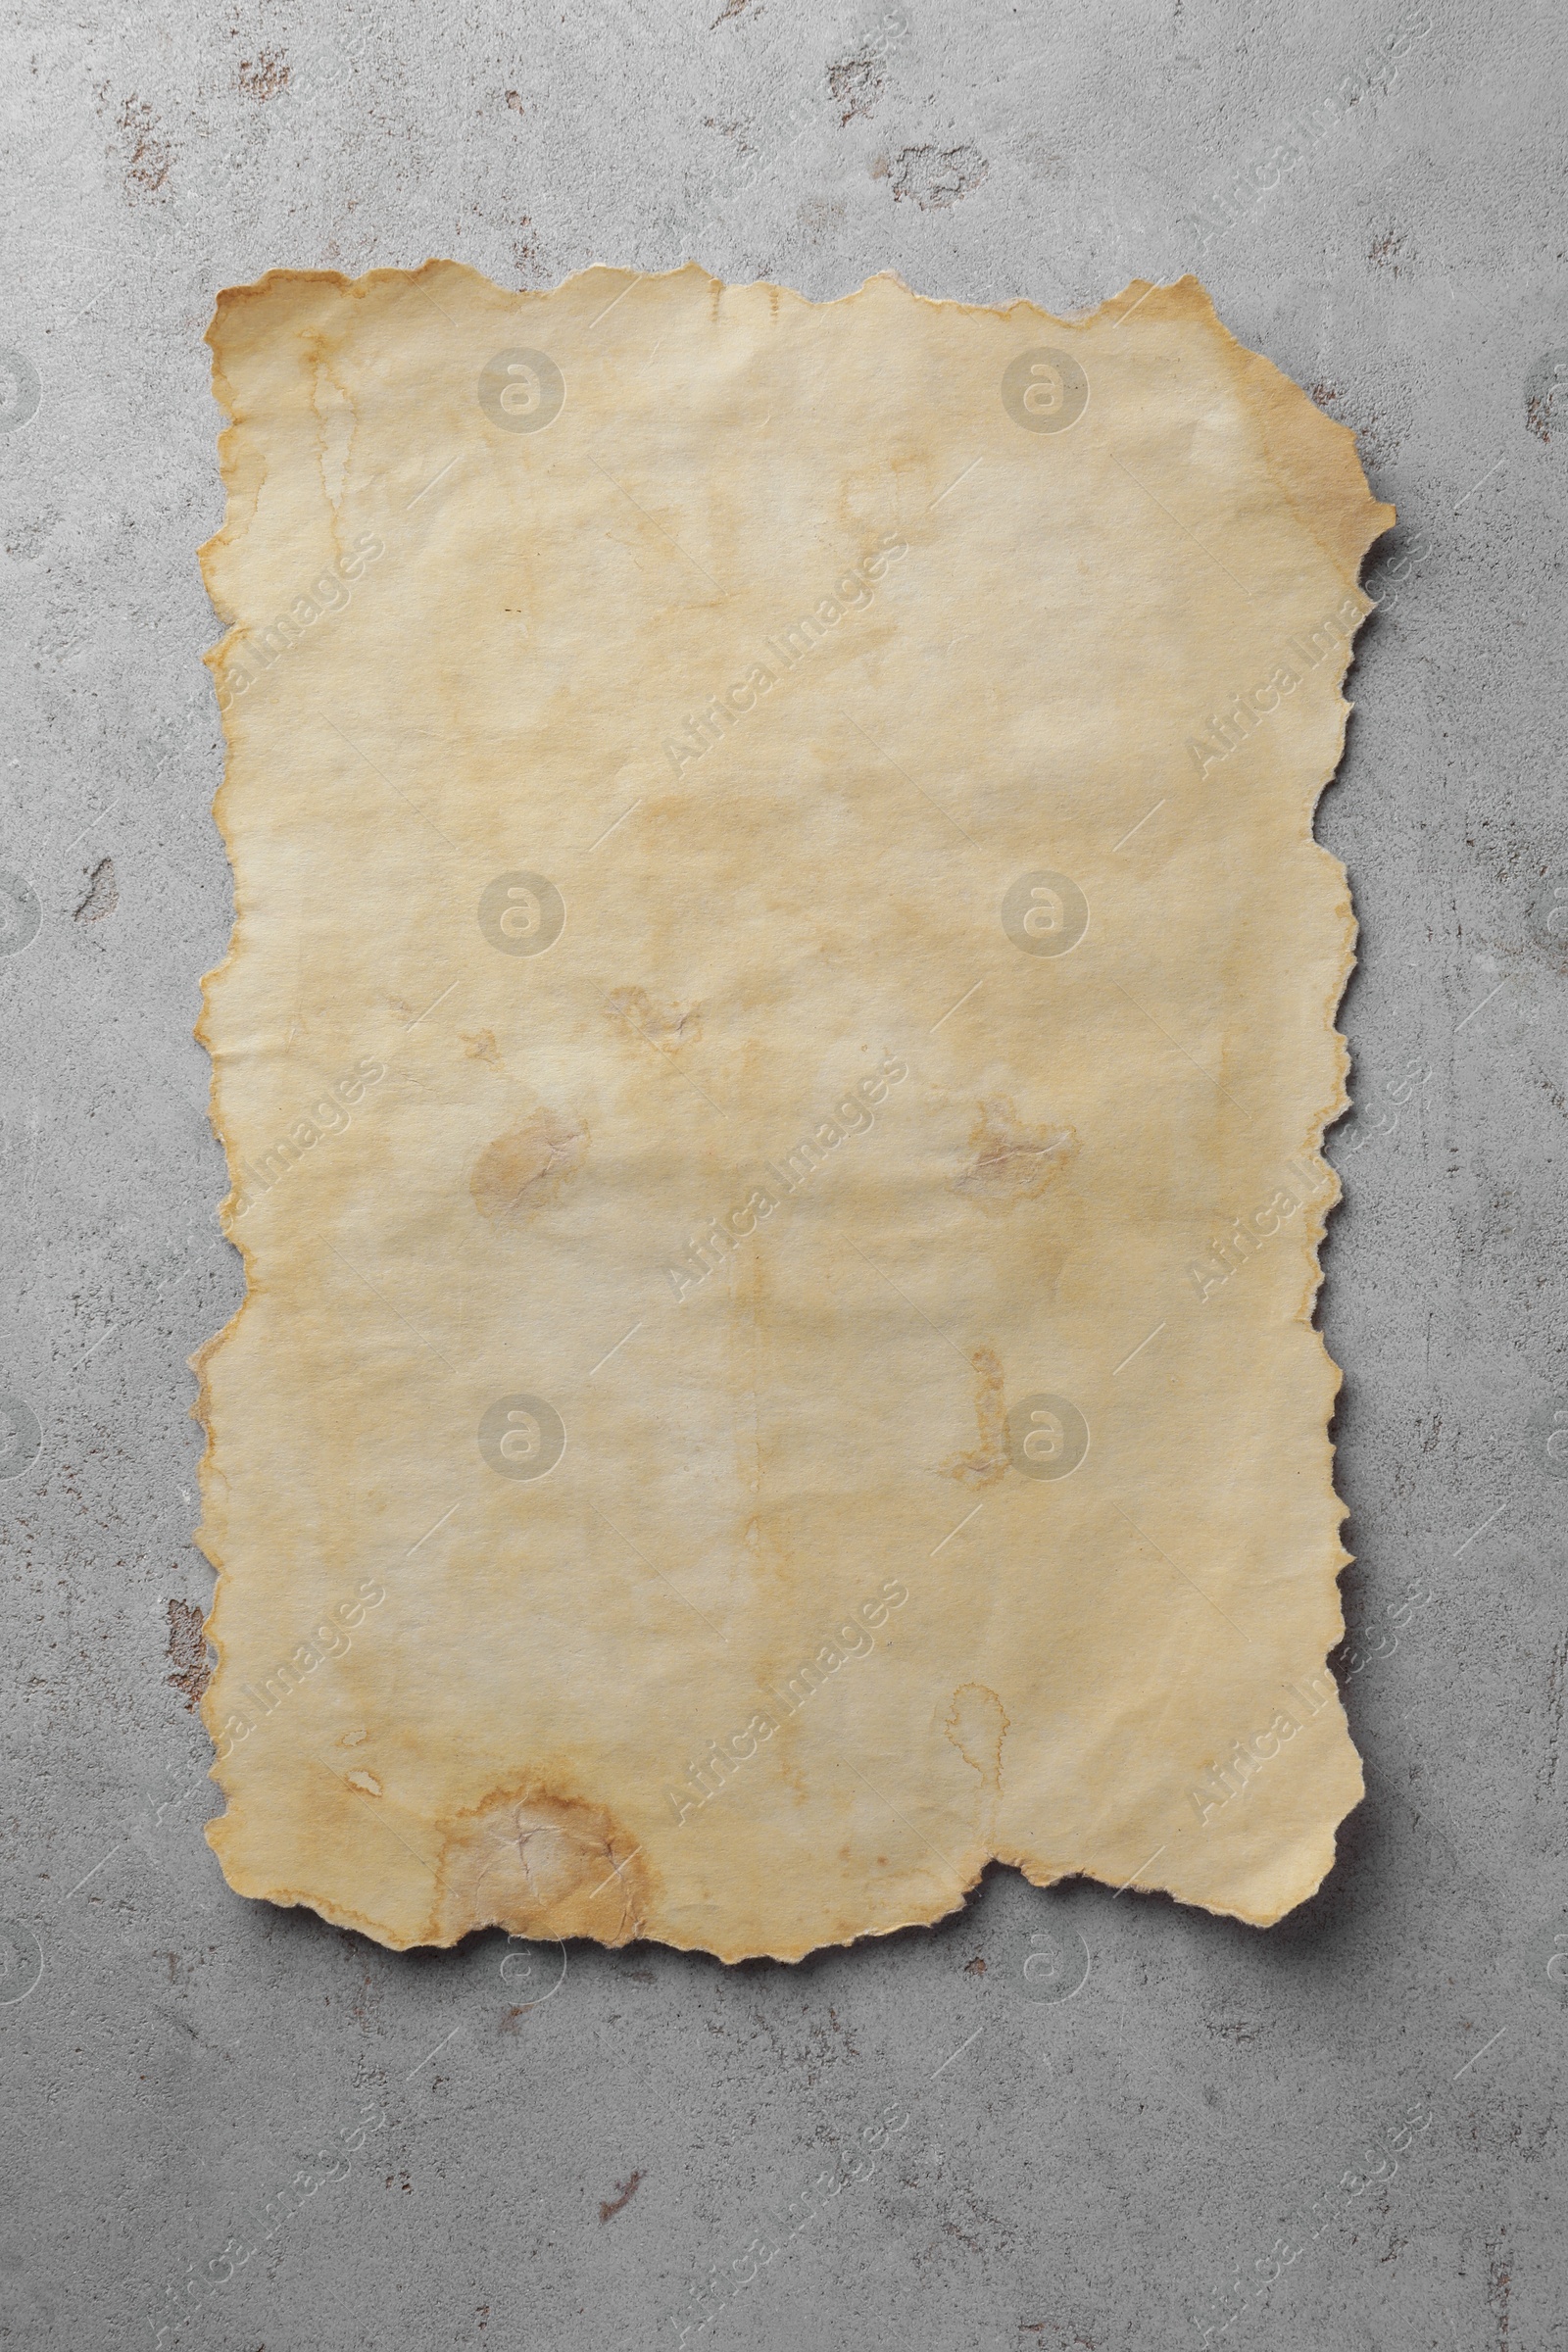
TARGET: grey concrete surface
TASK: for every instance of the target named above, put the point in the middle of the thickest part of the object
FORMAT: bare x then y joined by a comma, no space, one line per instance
565,2150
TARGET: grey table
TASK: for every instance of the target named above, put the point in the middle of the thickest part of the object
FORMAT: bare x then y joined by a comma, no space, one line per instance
1095,2120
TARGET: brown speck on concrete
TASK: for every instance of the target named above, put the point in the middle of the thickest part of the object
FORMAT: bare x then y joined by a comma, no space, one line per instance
1547,379
879,167
1385,252
731,8
625,2191
1549,1764
152,158
733,130
187,1651
935,177
263,75
26,535
103,894
975,1967
1372,433
515,101
1500,2283
855,83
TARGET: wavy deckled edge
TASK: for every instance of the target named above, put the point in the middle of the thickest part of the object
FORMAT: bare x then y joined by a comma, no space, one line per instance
1379,518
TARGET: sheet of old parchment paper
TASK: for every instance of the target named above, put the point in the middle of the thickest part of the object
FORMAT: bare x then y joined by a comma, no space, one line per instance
772,1061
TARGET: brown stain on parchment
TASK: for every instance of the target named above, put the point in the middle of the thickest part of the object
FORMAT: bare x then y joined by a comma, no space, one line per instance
1012,1162
665,1027
989,1461
977,1724
528,1169
752,1305
539,1864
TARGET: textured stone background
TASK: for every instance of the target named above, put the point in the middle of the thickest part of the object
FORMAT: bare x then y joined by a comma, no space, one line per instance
563,2171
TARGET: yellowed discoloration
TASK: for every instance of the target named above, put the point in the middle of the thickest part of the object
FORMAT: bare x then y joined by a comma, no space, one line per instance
977,1724
1010,1161
763,1147
527,1168
540,1866
986,1461
665,1027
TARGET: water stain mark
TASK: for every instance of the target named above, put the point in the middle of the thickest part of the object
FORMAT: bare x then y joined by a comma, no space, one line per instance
977,1724
989,1461
541,1865
665,1027
527,1170
1012,1162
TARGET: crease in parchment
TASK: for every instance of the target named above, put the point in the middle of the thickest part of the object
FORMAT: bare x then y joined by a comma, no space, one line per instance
729,1690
